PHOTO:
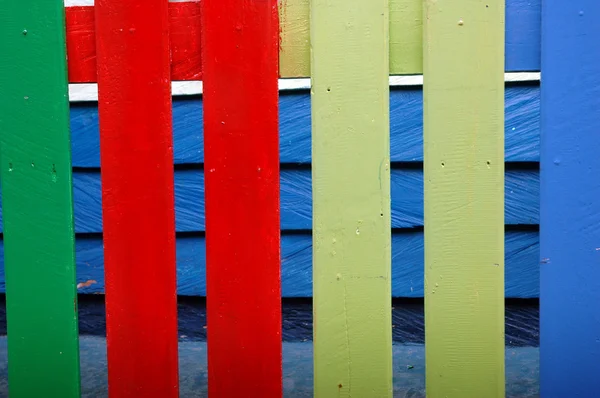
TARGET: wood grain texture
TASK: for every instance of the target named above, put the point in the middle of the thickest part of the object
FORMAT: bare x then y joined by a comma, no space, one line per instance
522,108
522,264
406,55
521,191
294,41
241,141
35,170
570,212
464,217
351,198
406,27
184,40
137,197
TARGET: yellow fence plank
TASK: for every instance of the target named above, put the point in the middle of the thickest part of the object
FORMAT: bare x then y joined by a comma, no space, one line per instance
464,203
351,198
406,47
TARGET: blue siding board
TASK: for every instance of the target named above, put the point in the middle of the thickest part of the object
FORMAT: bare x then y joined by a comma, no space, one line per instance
570,194
406,126
522,131
522,265
521,204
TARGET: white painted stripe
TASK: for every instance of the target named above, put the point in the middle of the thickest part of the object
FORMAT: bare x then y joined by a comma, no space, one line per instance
81,92
89,92
74,3
79,3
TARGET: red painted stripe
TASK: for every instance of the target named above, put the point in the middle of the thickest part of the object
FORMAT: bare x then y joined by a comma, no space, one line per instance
240,53
138,197
184,24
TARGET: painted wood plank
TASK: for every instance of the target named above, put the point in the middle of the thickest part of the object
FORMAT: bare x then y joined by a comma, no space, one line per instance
137,197
570,212
351,198
35,170
406,128
406,24
184,39
522,44
240,53
521,192
522,265
294,51
464,219
406,37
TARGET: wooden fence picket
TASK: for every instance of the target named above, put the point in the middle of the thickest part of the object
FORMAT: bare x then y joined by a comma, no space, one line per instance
570,208
134,102
463,94
241,152
37,201
351,198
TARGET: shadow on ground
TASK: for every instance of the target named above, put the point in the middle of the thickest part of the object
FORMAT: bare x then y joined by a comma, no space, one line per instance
522,369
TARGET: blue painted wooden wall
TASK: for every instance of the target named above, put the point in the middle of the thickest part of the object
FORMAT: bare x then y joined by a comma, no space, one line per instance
522,193
406,123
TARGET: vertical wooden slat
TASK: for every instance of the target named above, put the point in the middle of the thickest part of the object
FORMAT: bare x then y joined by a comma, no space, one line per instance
351,198
137,196
570,205
406,37
405,31
241,141
464,197
37,201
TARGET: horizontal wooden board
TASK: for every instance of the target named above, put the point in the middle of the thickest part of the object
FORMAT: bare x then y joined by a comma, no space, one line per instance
521,191
522,39
522,127
522,265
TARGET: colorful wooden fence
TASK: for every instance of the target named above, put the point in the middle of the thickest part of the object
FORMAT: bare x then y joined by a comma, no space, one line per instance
353,51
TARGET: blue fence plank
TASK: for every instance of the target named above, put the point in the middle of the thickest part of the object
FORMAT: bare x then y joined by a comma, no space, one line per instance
521,205
522,265
570,192
406,124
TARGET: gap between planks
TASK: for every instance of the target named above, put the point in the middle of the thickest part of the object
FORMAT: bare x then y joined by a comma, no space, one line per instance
82,92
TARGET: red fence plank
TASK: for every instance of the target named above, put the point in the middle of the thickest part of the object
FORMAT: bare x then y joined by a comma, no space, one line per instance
240,54
184,24
138,197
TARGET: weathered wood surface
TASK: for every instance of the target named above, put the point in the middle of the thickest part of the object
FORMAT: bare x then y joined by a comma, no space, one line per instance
406,24
522,113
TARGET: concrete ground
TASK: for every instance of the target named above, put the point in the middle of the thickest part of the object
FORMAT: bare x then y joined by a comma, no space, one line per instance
522,369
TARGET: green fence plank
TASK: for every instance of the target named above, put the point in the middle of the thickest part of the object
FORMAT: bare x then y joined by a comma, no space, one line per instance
351,198
35,170
464,180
